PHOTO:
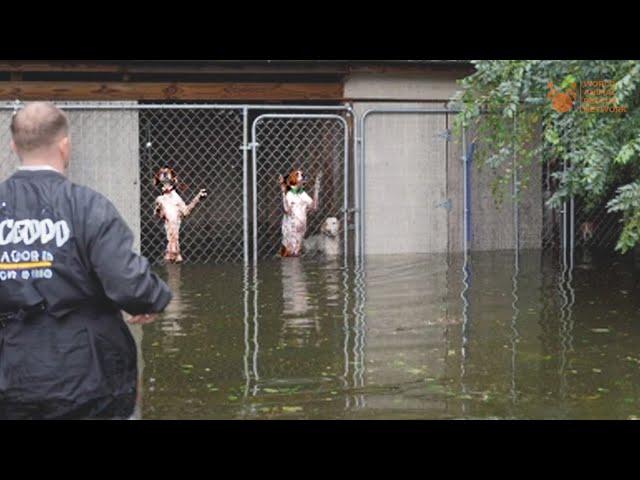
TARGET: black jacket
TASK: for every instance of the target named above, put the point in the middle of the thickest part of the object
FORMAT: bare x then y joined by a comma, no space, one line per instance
66,247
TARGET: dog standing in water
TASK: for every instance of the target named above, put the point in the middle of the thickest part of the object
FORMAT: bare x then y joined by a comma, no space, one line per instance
171,208
297,205
327,241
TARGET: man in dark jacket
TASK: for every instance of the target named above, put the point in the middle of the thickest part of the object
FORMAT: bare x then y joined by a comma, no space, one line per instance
67,269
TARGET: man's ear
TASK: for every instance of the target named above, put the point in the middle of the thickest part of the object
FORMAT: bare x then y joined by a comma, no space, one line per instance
65,149
14,149
64,144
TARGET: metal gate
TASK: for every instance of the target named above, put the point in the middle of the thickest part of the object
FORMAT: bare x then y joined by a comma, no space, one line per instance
203,146
313,142
117,147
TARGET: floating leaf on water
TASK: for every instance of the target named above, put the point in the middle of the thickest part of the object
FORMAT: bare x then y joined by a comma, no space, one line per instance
546,357
600,330
596,370
187,366
270,390
415,371
451,352
232,397
291,409
603,390
465,397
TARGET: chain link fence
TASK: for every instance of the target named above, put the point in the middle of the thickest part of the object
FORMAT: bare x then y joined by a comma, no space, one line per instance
576,224
8,160
117,147
594,227
313,143
203,146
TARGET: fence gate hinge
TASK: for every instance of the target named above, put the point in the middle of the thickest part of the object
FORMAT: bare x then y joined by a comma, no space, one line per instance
349,210
446,205
249,146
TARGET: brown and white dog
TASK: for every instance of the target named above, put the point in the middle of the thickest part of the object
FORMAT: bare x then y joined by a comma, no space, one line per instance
171,208
297,205
587,230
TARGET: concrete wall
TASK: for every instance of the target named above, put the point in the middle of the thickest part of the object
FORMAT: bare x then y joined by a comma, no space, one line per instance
410,170
401,212
104,157
434,86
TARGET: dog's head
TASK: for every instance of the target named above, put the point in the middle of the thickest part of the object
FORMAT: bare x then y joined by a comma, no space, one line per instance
295,179
166,177
330,227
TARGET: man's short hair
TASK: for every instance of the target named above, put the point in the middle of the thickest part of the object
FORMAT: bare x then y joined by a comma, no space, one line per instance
38,125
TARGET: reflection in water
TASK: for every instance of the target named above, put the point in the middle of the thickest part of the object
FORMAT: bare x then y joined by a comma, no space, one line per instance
514,323
247,328
567,294
359,330
310,338
299,328
250,323
464,297
175,311
136,332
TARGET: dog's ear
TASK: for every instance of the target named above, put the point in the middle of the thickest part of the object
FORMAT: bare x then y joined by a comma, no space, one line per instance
155,178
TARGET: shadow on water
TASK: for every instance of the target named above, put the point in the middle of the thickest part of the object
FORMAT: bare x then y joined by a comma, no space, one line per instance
408,336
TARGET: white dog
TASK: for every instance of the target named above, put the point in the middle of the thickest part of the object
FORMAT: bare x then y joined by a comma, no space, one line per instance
328,241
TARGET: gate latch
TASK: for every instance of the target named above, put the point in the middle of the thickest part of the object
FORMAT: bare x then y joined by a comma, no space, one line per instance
446,205
249,146
446,134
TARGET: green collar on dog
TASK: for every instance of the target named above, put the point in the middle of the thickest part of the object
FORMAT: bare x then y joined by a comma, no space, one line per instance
297,190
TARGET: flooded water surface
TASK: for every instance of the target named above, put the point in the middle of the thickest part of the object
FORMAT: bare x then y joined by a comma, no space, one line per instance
399,337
